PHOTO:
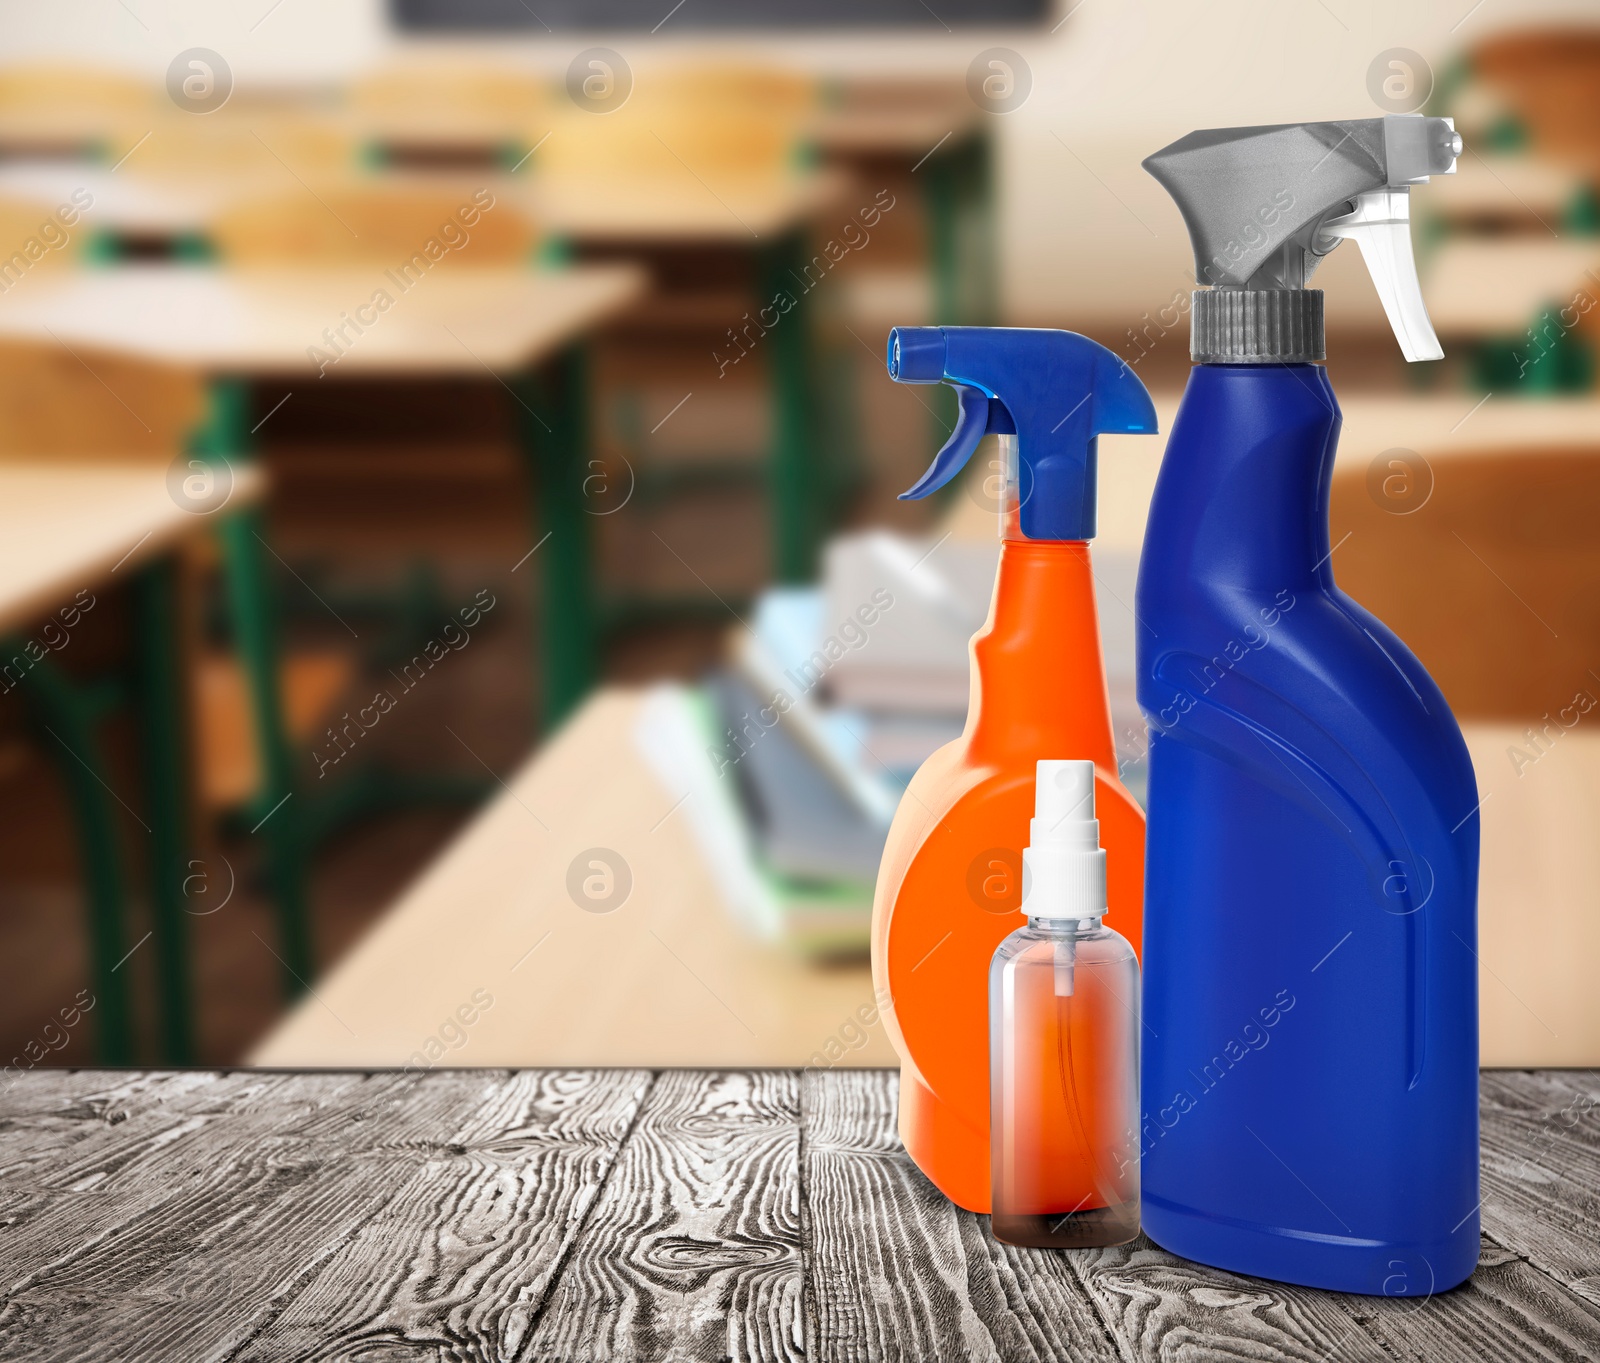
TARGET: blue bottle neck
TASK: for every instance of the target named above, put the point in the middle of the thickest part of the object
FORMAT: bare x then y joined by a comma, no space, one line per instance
1243,495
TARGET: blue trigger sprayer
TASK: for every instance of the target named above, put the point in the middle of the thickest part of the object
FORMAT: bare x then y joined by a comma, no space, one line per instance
1310,1066
1061,389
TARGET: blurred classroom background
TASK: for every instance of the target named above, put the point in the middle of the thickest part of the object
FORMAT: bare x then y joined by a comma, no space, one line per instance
455,606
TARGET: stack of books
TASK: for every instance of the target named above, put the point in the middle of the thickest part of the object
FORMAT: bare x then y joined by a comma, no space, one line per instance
798,749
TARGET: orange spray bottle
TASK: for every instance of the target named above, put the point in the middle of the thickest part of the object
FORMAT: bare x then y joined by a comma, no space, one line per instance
950,883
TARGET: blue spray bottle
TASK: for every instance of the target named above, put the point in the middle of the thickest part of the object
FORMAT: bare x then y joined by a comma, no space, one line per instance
1310,1086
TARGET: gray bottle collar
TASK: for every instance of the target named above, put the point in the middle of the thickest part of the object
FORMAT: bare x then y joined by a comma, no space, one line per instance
1256,326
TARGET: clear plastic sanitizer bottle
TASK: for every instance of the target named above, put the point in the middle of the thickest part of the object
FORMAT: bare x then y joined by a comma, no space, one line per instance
1064,1039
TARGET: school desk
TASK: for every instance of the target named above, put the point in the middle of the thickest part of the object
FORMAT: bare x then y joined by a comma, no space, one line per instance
662,977
520,327
768,218
67,528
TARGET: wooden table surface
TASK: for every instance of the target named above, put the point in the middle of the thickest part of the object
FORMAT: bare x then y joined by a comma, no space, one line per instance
1440,426
674,206
126,200
677,205
1503,186
66,526
456,319
1498,286
670,978
683,1214
891,129
663,977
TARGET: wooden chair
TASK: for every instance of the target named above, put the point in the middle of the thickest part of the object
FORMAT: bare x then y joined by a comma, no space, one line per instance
720,121
77,110
83,406
52,85
270,146
1551,79
446,90
447,111
62,404
36,239
1494,583
381,222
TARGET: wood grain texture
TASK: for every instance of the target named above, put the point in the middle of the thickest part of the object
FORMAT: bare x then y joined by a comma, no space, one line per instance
67,525
1541,1171
692,1250
459,1262
79,1162
1507,1310
895,1271
630,1214
260,321
1165,1307
219,1210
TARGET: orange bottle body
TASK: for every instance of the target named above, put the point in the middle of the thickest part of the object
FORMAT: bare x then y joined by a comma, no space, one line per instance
950,884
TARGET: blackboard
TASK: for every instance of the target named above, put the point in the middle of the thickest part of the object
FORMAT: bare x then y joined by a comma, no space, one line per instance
648,16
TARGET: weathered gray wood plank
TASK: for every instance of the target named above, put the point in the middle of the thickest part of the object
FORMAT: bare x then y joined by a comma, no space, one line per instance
692,1249
615,1214
1541,1171
1508,1310
457,1265
896,1272
1156,1305
252,1201
1164,1307
1170,1308
1537,1090
50,1122
42,1092
78,1166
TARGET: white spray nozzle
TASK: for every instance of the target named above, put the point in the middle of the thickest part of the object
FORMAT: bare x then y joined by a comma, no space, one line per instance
1380,224
1063,867
1415,147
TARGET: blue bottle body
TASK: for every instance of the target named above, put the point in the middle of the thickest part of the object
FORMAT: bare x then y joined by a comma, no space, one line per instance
1310,1081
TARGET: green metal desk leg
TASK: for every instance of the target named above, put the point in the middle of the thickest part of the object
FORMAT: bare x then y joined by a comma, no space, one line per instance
256,638
795,456
979,197
70,714
255,626
961,250
943,214
165,763
961,245
943,209
555,444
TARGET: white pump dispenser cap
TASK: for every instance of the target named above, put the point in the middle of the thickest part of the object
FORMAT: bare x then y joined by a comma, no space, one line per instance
1063,866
